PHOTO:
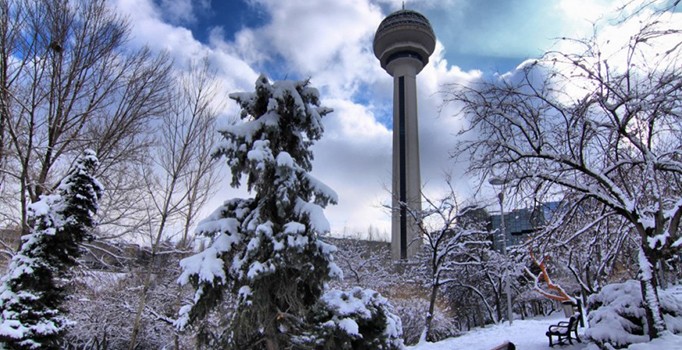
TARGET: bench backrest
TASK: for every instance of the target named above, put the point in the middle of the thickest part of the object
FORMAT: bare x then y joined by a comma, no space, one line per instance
573,323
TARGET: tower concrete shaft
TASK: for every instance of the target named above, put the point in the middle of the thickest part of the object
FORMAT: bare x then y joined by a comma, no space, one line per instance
403,43
405,235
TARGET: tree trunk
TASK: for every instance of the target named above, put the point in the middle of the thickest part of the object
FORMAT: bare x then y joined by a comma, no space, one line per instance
140,306
432,306
652,307
183,245
498,307
271,342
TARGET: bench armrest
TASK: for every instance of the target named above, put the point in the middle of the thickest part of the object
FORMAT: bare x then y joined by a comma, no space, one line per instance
556,327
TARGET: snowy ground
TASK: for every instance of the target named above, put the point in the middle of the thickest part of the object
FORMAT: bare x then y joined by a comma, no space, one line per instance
530,335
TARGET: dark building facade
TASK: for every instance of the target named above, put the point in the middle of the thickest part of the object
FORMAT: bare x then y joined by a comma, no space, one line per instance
521,223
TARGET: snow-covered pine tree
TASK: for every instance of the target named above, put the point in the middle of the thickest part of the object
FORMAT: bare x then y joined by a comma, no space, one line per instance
32,291
267,249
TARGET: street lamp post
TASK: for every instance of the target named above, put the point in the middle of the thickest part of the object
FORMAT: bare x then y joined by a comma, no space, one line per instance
507,287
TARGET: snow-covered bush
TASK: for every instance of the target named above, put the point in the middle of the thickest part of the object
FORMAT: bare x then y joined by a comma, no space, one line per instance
356,319
365,264
103,306
102,310
617,317
103,303
412,314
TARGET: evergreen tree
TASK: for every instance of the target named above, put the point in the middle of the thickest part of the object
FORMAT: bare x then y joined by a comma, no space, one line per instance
267,248
32,291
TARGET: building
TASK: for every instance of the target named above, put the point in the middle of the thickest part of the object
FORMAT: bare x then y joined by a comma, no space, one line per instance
403,43
521,223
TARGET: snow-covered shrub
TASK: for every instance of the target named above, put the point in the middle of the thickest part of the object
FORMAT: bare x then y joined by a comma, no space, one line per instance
412,312
103,306
366,264
102,303
617,317
101,310
355,319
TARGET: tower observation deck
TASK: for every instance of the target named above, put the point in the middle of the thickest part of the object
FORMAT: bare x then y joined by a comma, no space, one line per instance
403,43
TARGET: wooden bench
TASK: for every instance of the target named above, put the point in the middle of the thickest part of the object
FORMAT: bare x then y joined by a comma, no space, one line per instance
563,331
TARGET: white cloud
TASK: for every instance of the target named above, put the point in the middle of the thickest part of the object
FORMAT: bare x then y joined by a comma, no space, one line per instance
353,157
182,11
585,10
439,125
150,29
315,35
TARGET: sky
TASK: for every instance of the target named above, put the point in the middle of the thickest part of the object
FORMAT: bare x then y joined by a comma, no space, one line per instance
330,42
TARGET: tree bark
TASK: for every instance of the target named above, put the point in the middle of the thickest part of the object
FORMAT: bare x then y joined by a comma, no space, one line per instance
652,307
432,306
271,342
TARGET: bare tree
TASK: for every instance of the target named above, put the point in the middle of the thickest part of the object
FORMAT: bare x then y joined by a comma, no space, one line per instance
364,263
183,173
68,83
589,239
602,123
446,229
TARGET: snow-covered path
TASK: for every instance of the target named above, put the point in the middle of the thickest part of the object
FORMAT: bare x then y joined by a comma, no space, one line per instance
530,335
525,334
